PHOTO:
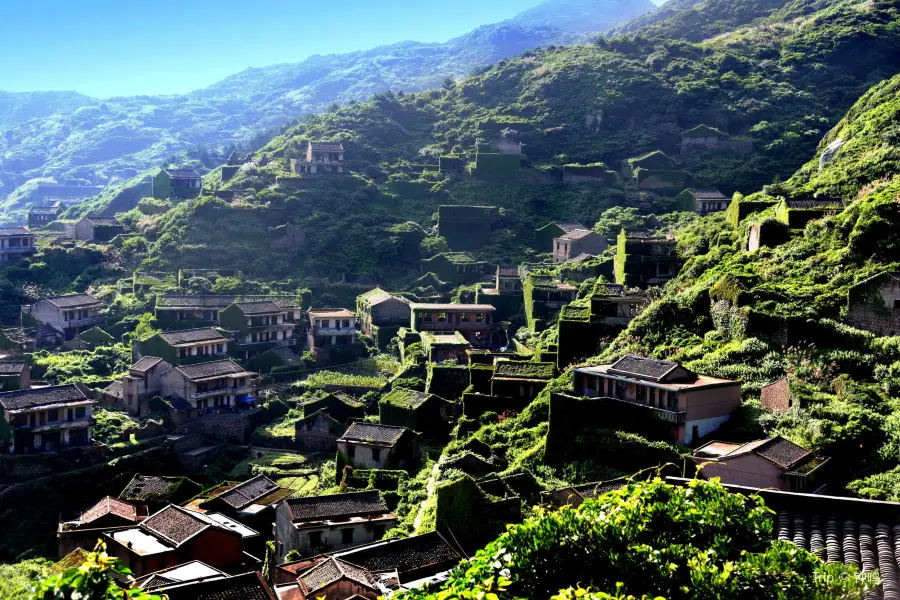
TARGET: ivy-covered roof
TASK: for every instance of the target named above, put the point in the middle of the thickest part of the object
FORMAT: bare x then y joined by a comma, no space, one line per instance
703,131
509,369
406,398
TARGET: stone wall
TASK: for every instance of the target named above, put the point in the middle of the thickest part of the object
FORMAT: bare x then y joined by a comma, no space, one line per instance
884,322
776,397
231,428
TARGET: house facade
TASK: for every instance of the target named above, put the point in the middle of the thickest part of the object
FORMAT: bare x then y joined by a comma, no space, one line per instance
41,216
644,259
692,405
577,242
47,419
318,432
474,321
15,243
874,305
184,307
143,382
14,375
68,315
221,384
508,280
94,229
320,157
330,327
177,183
259,326
378,308
373,446
185,346
317,524
82,530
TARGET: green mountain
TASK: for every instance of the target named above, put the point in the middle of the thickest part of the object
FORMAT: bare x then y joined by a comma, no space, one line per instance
697,20
96,139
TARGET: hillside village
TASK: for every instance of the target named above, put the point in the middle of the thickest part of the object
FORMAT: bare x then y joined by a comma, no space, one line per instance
346,362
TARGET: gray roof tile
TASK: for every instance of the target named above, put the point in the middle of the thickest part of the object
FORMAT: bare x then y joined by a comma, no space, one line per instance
335,506
191,336
175,524
49,396
372,433
211,369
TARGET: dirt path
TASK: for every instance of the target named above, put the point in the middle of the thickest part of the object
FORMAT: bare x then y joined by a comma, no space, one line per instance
429,488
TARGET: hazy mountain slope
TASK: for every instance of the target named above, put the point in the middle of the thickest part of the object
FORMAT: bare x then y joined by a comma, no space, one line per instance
139,132
697,20
583,15
16,108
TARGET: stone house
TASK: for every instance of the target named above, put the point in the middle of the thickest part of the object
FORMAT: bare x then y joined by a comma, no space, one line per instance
15,243
83,529
318,432
158,492
316,524
703,137
338,405
185,346
217,385
467,227
474,321
703,201
286,237
508,280
378,308
14,375
445,346
771,463
183,307
47,419
94,229
777,397
797,212
577,242
874,304
68,315
246,586
143,382
373,446
645,259
331,327
418,411
690,405
544,236
334,579
457,268
260,326
615,306
173,536
521,380
41,216
89,340
544,296
327,157
177,183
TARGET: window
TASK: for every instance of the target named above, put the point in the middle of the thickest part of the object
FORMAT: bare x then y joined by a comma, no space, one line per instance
464,317
652,396
425,316
79,412
611,387
442,317
621,386
326,323
896,304
351,451
673,400
315,539
347,536
346,323
53,415
641,393
479,317
378,532
376,454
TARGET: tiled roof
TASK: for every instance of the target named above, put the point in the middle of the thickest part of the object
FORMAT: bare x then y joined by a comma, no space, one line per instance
45,210
783,453
584,256
258,308
73,300
14,231
60,394
145,364
327,146
377,296
450,307
815,203
336,506
524,370
183,173
576,234
11,368
220,302
504,271
103,222
110,506
640,366
249,586
406,397
190,336
404,555
330,312
373,433
709,195
115,389
241,495
175,524
569,225
141,487
332,570
211,369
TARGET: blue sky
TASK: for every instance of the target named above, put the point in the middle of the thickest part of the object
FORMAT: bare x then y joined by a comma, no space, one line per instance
109,48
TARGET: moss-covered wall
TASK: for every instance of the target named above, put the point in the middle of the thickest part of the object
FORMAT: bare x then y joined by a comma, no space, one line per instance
447,381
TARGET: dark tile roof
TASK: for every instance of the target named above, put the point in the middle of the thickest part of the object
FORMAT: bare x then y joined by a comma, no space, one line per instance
327,146
45,210
258,308
12,368
569,225
645,368
370,432
576,234
336,506
145,364
815,203
190,336
220,302
332,570
183,173
782,452
24,399
73,300
709,195
211,369
110,506
141,487
249,586
241,495
505,271
175,524
404,555
9,231
103,222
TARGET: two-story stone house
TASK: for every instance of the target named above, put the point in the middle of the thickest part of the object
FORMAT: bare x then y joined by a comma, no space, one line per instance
211,385
143,382
474,321
259,326
185,307
374,446
320,157
378,308
16,242
41,216
577,242
68,315
47,419
317,524
645,259
14,375
185,346
330,327
177,183
694,405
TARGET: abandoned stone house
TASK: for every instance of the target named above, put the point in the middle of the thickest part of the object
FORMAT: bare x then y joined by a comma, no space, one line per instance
422,412
41,216
874,304
544,236
575,495
508,280
334,579
577,242
373,446
259,326
614,305
47,419
338,405
378,308
691,405
645,259
82,529
318,432
177,183
209,386
316,524
521,380
547,296
320,157
474,321
445,346
705,201
68,315
183,346
331,327
797,212
15,243
771,463
14,375
183,307
94,229
143,382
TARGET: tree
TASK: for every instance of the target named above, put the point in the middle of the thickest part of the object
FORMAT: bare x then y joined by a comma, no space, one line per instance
649,539
614,219
434,245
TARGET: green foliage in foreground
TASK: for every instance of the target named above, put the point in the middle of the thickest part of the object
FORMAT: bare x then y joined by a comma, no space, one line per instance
101,364
17,579
653,539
